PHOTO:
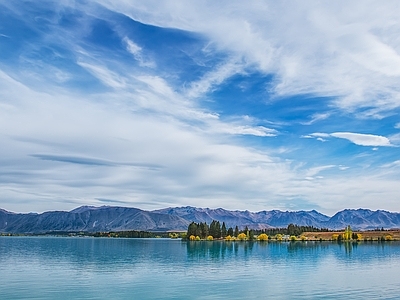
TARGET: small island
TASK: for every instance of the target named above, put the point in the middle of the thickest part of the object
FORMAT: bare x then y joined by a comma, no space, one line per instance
216,231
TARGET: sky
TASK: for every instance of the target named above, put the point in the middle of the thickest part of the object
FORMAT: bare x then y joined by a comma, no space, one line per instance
244,105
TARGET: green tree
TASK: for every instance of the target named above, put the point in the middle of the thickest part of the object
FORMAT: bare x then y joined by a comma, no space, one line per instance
204,230
218,232
236,233
251,235
213,229
193,229
246,230
223,230
291,229
230,231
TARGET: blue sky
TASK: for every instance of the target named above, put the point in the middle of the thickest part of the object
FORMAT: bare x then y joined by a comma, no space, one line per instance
252,105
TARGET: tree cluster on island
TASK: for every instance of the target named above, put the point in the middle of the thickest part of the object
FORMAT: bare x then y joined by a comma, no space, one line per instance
216,230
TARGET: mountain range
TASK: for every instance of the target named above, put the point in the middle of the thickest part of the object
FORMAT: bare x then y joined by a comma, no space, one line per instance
111,218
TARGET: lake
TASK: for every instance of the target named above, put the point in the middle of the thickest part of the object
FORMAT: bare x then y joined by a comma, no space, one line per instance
106,268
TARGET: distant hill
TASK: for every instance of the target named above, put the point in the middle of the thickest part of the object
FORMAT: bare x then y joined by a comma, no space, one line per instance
91,219
262,219
110,218
364,219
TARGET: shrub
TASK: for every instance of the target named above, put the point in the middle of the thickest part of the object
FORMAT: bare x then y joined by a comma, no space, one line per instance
293,238
303,238
173,235
210,238
192,238
197,238
388,238
242,236
262,237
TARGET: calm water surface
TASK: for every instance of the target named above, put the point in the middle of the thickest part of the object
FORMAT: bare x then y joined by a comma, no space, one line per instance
101,268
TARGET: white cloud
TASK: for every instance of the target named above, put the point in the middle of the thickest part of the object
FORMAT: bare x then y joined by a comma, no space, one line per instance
249,130
145,120
212,79
133,48
395,138
317,117
397,126
316,170
106,76
356,138
395,164
363,139
137,53
320,135
331,49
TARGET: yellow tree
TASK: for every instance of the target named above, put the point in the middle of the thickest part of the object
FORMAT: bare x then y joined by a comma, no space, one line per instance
348,233
389,237
242,236
262,237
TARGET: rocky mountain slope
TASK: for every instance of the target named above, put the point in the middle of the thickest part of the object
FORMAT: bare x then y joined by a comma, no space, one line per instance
91,219
106,218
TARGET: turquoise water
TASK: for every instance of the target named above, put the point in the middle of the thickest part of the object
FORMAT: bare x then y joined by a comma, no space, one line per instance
101,268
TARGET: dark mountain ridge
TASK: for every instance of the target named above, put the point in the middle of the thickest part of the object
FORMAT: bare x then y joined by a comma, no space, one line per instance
113,218
90,219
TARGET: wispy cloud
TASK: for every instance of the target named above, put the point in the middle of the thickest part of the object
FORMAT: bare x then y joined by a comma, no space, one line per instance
92,161
364,139
317,117
111,112
213,79
248,130
316,170
356,138
136,51
106,76
348,51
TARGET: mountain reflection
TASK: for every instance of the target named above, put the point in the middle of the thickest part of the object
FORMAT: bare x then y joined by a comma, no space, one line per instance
218,249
